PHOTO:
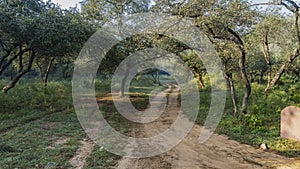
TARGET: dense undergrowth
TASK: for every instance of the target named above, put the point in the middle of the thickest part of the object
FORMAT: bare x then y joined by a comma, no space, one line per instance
262,122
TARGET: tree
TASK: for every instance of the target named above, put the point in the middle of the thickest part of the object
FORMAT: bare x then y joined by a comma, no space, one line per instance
65,31
196,65
155,74
266,38
226,21
294,8
17,19
222,20
133,44
33,29
101,11
294,47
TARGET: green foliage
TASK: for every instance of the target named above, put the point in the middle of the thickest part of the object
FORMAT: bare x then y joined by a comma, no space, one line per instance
29,27
56,96
102,87
99,11
262,123
32,101
37,31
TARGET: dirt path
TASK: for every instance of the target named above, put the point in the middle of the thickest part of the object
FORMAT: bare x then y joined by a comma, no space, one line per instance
217,153
83,152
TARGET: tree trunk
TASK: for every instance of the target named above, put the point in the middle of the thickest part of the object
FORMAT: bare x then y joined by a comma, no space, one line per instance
158,77
239,42
242,60
245,80
280,72
14,81
232,92
201,83
261,77
40,70
20,73
66,72
48,71
123,83
267,56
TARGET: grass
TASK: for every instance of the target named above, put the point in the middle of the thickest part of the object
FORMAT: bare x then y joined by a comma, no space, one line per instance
32,101
9,120
30,143
262,123
33,118
101,159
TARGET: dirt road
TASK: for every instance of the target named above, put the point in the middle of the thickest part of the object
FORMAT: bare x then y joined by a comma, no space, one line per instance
217,153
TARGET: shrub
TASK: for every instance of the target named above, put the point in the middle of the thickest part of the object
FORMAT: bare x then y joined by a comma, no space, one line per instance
55,96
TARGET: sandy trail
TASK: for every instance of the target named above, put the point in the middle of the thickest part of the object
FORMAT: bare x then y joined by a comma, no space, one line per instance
83,152
216,153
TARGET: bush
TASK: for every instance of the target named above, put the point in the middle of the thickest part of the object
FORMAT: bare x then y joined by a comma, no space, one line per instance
55,96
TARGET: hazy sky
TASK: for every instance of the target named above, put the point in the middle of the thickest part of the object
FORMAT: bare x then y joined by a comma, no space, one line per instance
66,3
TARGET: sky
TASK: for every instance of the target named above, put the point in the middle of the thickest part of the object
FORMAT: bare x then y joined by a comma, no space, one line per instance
66,3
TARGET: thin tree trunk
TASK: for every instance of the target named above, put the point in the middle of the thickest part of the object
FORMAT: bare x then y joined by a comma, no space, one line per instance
232,92
123,83
239,42
245,80
242,60
154,76
48,71
280,72
66,72
267,56
200,79
158,78
40,70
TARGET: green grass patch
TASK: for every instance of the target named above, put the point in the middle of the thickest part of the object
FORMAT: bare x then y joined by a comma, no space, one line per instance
100,158
31,101
262,123
33,144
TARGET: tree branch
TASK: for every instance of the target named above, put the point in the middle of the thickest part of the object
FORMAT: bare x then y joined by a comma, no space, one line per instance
20,74
9,62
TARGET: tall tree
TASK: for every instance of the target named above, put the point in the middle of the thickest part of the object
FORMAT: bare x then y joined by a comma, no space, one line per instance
294,47
32,29
294,8
223,20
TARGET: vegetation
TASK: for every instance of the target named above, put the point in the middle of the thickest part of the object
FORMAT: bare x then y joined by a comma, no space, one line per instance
40,123
262,124
259,45
34,122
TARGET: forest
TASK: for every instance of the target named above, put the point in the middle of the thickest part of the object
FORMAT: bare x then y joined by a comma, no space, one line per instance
258,43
